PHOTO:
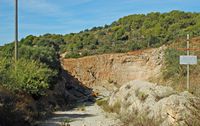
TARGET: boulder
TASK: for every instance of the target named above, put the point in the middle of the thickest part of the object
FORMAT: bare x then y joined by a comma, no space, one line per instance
161,104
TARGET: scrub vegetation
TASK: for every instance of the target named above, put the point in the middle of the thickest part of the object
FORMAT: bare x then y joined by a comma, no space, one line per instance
38,69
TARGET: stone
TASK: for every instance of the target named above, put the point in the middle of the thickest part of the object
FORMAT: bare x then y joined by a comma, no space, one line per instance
159,103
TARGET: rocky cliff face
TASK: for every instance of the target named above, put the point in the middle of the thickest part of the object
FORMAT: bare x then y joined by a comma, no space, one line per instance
116,69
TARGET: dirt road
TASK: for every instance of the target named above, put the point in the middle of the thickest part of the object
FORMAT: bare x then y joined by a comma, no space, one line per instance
91,115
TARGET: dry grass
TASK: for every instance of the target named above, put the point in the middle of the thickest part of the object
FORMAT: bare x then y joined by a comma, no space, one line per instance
103,103
135,120
127,120
141,95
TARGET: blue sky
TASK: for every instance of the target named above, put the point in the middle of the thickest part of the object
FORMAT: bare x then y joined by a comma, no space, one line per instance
38,17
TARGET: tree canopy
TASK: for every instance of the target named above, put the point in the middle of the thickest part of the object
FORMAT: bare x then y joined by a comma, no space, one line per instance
133,32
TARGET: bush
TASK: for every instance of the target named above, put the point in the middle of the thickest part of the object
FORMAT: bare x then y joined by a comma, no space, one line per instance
135,46
4,75
72,55
173,70
175,74
26,76
46,55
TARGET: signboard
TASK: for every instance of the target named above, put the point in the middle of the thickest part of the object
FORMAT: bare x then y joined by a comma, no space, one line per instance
188,60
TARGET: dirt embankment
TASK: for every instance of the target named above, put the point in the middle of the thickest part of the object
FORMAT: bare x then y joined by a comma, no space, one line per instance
101,70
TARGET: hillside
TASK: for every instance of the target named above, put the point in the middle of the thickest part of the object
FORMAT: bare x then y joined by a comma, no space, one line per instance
134,47
132,32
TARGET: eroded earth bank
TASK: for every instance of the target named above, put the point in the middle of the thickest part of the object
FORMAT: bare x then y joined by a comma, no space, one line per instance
124,95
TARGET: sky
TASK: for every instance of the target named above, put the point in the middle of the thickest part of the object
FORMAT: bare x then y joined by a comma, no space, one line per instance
39,17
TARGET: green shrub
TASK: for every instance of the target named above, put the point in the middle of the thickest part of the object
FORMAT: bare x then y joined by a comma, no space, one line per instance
135,46
175,74
46,55
72,55
173,70
26,76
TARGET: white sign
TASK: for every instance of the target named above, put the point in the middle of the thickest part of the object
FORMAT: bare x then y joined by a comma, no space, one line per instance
188,60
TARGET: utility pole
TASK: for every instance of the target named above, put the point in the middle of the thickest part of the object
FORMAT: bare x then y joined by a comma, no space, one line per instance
188,66
16,30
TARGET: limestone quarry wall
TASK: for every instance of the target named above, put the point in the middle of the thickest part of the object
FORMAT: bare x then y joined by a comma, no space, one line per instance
116,68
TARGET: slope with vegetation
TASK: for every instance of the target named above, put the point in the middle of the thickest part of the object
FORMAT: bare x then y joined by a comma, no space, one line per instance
36,83
132,32
38,70
28,79
175,74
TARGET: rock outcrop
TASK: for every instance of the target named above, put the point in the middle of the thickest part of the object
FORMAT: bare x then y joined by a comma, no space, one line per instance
116,68
158,103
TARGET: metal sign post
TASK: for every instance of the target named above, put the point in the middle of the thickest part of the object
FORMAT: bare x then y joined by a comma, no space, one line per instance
188,60
188,66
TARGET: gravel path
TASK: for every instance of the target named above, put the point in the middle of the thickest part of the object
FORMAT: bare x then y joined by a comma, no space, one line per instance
92,115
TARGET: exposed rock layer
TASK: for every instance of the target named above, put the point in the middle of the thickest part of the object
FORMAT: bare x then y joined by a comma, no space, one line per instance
159,103
116,68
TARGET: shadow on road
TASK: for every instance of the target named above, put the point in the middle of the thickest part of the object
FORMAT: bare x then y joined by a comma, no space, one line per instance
71,116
